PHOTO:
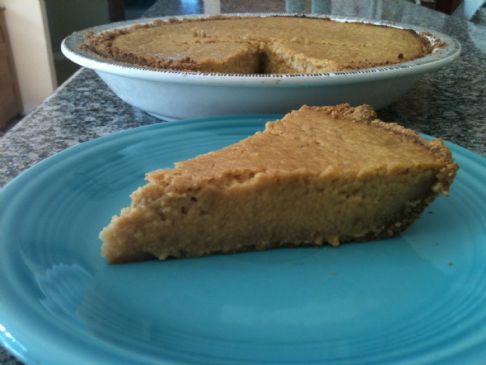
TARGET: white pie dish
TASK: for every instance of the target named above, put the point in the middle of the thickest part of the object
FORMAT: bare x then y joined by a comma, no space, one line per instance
173,94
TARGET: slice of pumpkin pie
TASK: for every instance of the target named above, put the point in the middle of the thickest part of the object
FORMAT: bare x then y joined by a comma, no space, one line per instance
320,175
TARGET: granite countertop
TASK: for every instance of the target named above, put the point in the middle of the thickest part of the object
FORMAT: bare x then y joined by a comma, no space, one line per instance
450,103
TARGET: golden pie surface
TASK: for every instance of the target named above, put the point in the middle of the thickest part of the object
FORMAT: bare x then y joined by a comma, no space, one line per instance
249,45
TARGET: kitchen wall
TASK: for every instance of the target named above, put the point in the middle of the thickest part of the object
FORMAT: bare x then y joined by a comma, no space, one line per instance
36,29
67,16
30,42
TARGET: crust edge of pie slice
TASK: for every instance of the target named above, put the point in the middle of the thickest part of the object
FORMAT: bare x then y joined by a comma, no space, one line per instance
320,175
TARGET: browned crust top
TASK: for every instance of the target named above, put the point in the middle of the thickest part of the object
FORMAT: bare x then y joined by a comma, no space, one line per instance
365,114
184,177
102,44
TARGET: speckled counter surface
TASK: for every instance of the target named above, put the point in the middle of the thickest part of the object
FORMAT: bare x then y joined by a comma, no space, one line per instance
450,103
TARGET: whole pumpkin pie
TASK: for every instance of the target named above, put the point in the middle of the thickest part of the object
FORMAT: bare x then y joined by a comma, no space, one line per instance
320,175
272,44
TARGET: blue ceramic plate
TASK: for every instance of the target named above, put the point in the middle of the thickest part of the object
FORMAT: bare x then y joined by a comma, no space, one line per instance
416,299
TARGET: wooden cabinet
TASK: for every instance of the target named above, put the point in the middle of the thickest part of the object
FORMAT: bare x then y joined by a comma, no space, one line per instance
10,104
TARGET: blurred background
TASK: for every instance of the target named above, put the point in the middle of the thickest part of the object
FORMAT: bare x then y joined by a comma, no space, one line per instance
31,31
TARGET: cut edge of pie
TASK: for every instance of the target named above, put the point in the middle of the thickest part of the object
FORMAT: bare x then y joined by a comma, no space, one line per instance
272,189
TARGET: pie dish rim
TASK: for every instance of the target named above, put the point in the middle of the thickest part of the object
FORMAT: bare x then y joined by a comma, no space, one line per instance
440,56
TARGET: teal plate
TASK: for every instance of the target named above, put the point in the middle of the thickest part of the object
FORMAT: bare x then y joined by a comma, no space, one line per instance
415,299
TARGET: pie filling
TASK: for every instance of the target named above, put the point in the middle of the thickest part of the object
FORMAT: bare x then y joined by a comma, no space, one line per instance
254,45
320,175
